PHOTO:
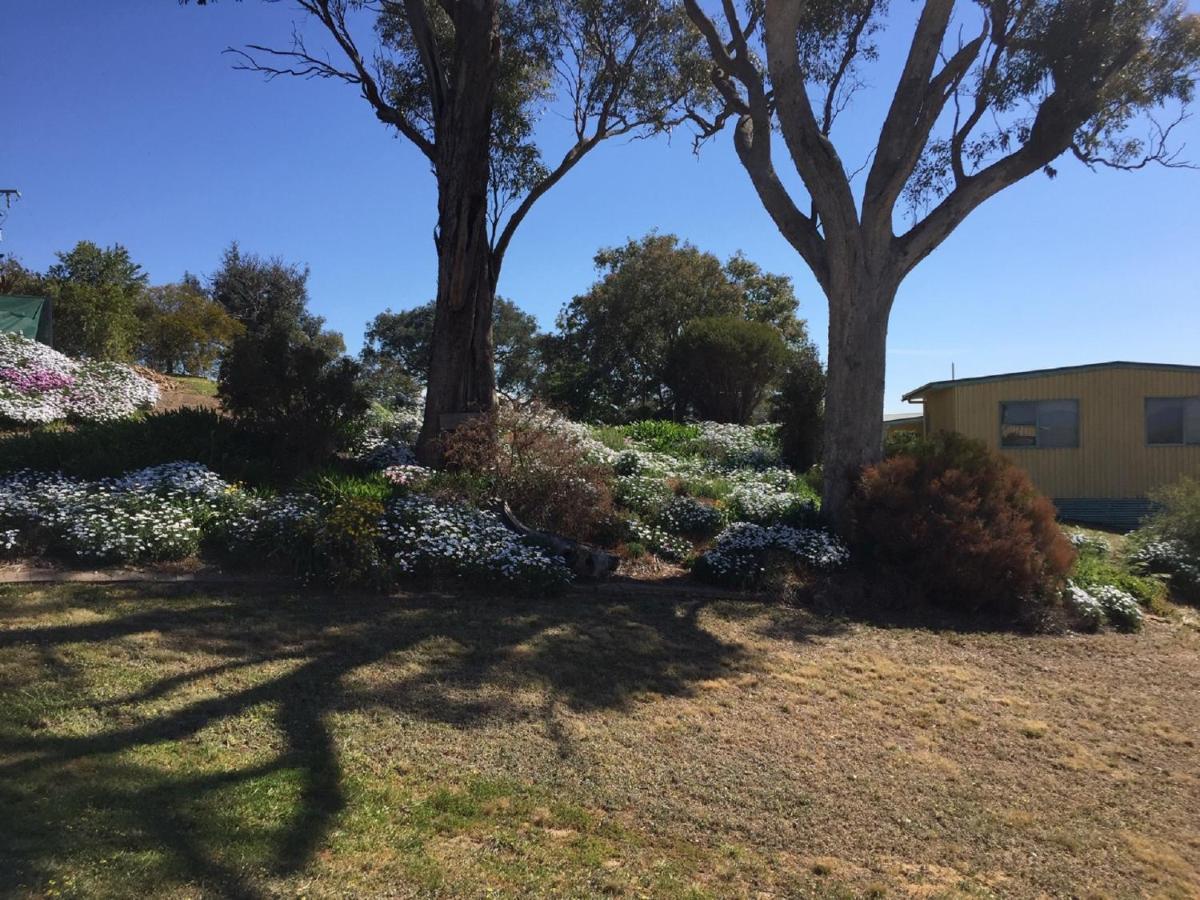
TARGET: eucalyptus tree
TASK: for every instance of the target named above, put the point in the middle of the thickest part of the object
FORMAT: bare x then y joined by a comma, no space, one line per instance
465,81
988,93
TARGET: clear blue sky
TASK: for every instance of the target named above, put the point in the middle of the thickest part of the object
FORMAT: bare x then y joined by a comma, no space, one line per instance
124,123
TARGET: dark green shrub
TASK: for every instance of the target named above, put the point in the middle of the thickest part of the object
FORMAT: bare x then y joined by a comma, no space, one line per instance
720,368
799,408
105,449
966,527
901,441
296,392
1178,515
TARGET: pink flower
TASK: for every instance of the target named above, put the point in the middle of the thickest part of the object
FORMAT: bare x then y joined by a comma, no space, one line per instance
35,381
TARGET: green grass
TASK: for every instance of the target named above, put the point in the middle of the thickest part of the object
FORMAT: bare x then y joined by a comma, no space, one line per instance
205,387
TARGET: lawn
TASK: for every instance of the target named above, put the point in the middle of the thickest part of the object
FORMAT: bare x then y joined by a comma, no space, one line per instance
164,741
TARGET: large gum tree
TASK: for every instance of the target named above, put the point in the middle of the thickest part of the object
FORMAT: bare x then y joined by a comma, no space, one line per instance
465,82
987,94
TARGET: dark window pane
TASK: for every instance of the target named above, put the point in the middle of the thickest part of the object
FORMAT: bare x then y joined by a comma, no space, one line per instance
1164,420
1018,424
1191,421
1058,423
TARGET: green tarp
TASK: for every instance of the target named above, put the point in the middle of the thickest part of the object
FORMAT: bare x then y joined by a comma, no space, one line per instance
29,316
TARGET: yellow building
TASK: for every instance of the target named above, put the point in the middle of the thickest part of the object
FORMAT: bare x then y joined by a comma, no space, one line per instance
1096,439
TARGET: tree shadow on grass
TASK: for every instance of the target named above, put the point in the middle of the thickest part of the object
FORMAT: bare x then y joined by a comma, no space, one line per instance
78,796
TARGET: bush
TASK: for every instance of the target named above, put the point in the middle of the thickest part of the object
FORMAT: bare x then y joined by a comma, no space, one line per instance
1094,569
106,449
295,391
687,515
763,504
1178,515
523,455
1169,558
901,442
965,526
721,367
798,406
745,555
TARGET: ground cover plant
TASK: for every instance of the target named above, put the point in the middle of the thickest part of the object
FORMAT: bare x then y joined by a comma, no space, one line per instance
166,741
40,385
1168,543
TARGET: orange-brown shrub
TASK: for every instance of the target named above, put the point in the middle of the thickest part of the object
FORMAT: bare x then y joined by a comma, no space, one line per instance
966,526
527,456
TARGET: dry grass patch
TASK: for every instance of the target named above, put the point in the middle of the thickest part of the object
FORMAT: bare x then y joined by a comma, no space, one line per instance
167,742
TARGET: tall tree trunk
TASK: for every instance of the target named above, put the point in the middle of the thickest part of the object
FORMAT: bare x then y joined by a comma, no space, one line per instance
858,323
462,374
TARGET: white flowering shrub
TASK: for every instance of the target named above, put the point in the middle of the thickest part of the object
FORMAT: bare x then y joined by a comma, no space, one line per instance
1094,606
387,437
271,526
1169,557
1083,607
738,446
424,537
658,541
1121,608
159,513
409,476
687,515
642,494
10,542
40,385
1086,543
741,552
763,504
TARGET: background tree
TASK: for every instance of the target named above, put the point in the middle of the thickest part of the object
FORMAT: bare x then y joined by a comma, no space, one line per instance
298,393
269,294
989,94
608,360
798,405
17,280
464,81
399,346
284,376
182,330
721,368
95,292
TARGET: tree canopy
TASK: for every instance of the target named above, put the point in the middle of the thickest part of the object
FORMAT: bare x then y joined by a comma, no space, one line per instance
610,356
95,291
182,330
400,344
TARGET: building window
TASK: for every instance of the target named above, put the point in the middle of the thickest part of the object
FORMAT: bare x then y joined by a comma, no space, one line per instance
1172,420
1039,423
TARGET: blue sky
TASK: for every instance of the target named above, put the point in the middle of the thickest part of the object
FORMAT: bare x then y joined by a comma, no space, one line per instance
124,123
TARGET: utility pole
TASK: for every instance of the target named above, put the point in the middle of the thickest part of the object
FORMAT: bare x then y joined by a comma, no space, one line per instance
9,195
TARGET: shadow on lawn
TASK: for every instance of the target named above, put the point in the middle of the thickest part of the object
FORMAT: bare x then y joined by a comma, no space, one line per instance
107,794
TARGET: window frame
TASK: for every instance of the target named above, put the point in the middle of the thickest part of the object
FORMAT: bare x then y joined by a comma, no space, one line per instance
1036,427
1183,442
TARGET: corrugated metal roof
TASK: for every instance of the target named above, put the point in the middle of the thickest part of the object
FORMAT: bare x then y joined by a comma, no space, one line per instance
1041,373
